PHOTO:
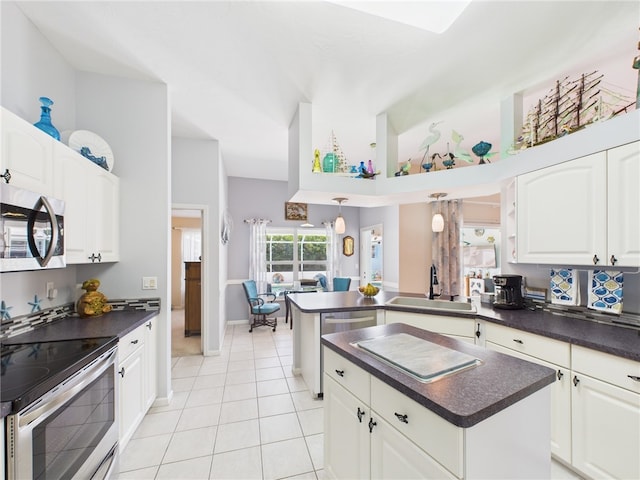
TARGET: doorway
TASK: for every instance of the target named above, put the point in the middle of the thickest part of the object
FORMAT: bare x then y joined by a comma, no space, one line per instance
187,238
371,256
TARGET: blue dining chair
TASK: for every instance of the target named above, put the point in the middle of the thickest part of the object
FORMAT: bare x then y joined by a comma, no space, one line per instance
341,284
260,308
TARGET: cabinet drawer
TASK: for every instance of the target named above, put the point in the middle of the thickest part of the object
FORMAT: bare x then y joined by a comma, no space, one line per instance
130,343
608,368
432,433
458,326
350,376
548,349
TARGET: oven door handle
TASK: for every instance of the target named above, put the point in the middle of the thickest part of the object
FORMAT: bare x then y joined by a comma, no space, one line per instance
89,374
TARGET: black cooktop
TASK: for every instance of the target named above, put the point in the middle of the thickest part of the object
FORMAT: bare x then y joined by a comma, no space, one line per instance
29,370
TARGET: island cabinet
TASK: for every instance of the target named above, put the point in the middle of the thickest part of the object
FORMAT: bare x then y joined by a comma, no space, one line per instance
582,212
92,211
376,429
550,353
27,155
462,328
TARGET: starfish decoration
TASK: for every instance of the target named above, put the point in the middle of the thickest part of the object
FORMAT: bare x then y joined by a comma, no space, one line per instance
35,305
4,311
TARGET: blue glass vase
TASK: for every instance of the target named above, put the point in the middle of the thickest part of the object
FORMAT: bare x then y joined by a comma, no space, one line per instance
45,119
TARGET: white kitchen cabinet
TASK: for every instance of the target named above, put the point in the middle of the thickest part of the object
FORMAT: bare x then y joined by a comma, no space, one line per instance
550,353
462,328
150,358
378,432
510,223
27,153
605,415
582,212
91,196
623,239
562,212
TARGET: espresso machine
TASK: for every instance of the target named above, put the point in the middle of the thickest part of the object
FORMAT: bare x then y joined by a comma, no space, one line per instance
508,292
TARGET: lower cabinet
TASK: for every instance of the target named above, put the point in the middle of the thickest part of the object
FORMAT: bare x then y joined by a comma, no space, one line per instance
461,328
595,408
137,378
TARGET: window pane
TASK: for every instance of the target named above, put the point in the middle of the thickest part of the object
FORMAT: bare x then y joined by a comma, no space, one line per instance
313,251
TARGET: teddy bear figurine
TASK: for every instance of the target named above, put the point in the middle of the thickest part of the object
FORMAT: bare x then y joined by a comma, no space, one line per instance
92,303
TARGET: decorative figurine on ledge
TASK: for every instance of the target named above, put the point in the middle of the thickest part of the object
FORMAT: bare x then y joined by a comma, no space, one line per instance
404,170
100,161
481,149
92,303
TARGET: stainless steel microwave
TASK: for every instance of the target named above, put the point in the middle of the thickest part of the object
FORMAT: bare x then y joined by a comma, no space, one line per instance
32,228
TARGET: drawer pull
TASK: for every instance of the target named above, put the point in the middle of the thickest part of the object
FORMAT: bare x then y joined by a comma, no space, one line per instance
595,259
576,381
360,414
340,372
634,377
401,417
121,372
371,425
6,175
560,375
517,340
134,342
613,260
149,325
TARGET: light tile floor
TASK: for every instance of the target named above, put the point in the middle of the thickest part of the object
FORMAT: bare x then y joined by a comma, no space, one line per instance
241,415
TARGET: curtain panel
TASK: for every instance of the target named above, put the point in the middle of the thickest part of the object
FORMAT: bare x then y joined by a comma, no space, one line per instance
258,252
445,248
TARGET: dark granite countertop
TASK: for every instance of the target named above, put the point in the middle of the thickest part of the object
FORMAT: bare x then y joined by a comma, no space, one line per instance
616,340
112,324
464,398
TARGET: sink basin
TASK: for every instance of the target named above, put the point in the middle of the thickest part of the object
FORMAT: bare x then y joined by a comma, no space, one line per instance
433,305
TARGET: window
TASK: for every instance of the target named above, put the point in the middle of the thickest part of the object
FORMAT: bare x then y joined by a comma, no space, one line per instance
294,255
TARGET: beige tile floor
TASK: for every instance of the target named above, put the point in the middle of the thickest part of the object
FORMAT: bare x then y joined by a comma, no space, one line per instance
241,415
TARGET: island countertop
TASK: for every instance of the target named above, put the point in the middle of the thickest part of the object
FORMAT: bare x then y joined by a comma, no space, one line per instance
464,398
604,337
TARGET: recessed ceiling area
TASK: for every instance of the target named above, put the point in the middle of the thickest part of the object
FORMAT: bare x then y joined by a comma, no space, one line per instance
237,71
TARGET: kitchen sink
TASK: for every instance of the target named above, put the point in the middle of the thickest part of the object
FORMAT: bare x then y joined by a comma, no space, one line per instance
433,305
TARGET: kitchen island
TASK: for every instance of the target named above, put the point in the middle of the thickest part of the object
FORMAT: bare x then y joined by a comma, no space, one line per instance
491,420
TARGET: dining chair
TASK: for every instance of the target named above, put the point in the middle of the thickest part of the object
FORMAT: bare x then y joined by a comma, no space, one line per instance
341,284
260,308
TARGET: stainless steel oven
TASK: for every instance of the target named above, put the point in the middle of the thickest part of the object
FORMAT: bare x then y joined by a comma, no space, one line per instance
71,431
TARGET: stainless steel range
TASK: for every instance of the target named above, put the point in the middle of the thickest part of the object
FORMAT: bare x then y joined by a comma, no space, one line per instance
63,408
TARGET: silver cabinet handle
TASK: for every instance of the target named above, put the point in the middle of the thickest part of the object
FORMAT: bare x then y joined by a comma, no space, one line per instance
401,417
517,340
340,372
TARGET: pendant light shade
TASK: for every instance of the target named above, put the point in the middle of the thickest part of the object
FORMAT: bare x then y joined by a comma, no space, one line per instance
340,225
437,221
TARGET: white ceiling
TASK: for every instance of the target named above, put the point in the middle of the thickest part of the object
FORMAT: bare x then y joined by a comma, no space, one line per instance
237,71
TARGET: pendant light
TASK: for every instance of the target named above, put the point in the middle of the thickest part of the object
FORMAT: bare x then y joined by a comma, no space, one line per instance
437,222
340,226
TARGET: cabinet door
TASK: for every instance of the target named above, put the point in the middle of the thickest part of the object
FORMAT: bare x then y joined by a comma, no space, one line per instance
346,433
71,186
394,456
27,154
606,429
131,395
105,200
562,213
560,403
456,327
624,199
150,356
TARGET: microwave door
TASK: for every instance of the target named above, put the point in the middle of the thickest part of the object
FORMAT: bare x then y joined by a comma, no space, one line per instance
42,251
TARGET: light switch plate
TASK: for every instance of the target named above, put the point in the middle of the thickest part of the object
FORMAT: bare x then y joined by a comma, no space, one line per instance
149,283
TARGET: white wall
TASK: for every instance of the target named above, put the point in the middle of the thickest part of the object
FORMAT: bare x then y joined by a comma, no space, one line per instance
198,179
389,217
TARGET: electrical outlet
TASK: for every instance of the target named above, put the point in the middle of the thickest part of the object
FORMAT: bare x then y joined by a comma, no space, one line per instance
49,287
149,283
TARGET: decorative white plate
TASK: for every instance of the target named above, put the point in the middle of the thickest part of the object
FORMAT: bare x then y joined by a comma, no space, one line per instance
95,143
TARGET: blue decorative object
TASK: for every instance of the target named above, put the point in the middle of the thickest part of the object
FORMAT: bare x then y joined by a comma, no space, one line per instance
45,119
329,163
481,149
100,161
35,305
4,311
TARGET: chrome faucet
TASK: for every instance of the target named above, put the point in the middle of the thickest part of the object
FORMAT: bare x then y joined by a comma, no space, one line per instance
433,280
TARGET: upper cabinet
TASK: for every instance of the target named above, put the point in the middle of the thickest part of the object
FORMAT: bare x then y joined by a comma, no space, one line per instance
27,155
581,212
91,196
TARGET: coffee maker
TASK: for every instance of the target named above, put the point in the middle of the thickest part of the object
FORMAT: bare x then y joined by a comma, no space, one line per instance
508,292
